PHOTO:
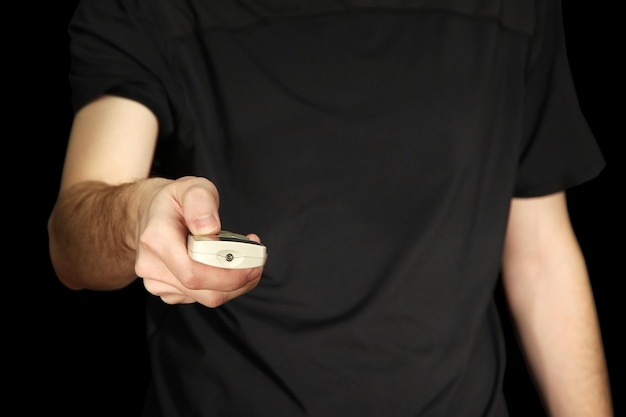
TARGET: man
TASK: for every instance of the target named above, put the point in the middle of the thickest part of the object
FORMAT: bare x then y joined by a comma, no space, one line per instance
394,159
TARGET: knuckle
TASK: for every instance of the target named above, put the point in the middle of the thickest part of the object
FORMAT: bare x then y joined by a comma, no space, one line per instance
190,280
215,299
201,188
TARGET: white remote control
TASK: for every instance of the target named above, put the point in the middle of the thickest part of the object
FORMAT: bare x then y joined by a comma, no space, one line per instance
226,250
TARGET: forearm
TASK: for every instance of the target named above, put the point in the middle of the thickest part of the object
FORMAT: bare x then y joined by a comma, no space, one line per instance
558,327
93,230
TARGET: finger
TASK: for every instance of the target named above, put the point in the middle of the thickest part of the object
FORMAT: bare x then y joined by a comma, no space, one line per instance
200,203
167,293
214,299
254,237
206,277
171,294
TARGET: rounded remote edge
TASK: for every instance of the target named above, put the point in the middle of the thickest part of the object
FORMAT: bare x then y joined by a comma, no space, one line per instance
226,250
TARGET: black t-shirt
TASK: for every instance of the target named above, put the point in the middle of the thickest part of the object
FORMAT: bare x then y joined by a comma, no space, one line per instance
375,147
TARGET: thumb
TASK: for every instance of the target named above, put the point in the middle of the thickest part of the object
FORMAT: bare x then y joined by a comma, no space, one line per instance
200,207
204,224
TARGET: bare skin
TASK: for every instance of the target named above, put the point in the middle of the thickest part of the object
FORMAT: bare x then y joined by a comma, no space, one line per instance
112,223
548,291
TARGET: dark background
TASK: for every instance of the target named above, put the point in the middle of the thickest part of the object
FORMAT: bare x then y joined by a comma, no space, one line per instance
83,353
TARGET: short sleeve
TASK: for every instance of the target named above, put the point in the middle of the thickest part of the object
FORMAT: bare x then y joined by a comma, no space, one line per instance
560,150
115,49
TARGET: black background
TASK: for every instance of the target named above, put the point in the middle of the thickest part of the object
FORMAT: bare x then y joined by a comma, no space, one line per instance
83,353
